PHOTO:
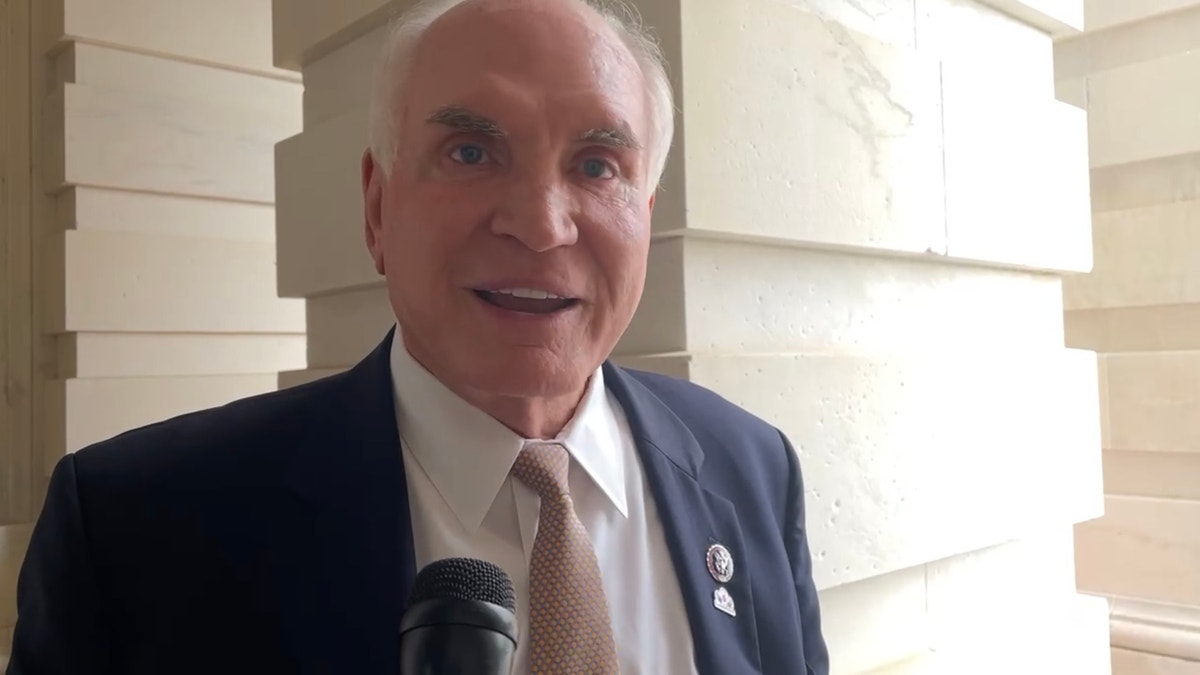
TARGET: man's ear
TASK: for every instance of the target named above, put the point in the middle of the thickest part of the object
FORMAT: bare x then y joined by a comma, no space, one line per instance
372,189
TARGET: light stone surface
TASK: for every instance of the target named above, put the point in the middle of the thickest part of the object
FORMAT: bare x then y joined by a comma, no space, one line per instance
1148,256
897,627
743,297
842,144
1154,401
97,408
147,283
342,79
1144,547
305,30
979,597
1128,662
1100,14
320,231
1145,110
176,29
965,36
940,617
1048,227
1056,17
1166,630
1149,182
14,540
138,140
165,354
1144,40
363,316
1140,309
1171,475
122,70
1135,329
891,21
87,208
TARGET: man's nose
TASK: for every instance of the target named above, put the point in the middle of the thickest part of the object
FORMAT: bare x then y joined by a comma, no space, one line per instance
538,213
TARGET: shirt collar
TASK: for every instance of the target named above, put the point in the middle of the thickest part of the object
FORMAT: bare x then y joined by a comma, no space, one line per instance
468,454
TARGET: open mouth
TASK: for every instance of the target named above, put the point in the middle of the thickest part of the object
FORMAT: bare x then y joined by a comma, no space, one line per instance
526,301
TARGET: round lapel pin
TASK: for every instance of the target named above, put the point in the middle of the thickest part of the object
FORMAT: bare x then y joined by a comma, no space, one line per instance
720,563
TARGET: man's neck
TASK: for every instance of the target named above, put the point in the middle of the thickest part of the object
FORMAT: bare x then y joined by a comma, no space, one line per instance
531,417
534,418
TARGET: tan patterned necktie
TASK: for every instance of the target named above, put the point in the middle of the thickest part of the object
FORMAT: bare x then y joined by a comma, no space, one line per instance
569,624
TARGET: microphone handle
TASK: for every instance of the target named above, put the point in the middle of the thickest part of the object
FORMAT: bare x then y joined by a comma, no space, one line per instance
457,637
455,650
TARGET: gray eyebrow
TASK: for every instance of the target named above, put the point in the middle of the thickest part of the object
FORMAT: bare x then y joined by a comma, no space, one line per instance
462,120
465,121
617,138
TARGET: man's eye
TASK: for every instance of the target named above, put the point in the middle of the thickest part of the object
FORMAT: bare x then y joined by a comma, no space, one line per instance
469,154
597,168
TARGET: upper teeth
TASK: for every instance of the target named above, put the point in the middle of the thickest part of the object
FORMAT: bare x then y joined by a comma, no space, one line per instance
529,293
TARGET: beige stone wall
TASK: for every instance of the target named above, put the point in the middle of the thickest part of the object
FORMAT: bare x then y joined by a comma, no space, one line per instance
862,238
1137,72
137,149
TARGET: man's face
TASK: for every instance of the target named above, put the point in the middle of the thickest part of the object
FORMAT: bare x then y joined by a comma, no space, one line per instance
514,227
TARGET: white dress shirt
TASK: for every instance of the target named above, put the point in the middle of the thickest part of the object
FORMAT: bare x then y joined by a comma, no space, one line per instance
464,504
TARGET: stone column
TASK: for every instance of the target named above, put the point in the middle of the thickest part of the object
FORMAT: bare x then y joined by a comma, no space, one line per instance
1137,72
862,238
138,227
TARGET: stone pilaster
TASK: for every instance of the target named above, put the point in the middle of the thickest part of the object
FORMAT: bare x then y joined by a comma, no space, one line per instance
1136,71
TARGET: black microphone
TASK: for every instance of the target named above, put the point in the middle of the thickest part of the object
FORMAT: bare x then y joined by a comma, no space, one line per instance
460,620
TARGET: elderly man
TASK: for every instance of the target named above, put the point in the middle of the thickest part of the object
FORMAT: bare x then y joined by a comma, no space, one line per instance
514,154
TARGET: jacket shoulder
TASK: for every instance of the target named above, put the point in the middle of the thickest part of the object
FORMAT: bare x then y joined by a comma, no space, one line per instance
738,445
746,459
705,411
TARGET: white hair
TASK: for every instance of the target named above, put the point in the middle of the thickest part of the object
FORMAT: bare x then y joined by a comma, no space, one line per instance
400,46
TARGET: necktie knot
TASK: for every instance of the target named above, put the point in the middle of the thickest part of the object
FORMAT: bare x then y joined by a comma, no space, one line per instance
543,467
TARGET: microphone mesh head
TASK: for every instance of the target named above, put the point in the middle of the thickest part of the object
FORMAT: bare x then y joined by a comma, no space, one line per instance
464,579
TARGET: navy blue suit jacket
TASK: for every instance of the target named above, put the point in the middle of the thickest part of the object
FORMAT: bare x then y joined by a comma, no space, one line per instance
272,535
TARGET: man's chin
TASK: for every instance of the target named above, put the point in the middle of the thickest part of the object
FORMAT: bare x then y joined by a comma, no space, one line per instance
530,377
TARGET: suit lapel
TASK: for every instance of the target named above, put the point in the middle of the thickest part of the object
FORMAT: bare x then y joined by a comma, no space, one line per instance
694,519
347,562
